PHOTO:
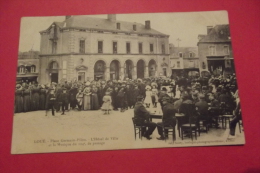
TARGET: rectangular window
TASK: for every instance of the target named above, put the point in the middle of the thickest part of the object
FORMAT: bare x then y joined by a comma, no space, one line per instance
180,55
212,50
164,71
54,47
151,48
128,49
226,50
163,49
82,46
178,64
114,47
100,46
190,54
140,47
118,25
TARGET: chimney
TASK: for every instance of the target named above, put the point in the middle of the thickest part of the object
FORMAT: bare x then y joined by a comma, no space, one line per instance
209,28
67,17
111,17
134,27
147,24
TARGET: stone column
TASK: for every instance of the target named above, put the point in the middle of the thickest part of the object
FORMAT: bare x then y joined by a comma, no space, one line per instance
122,73
134,74
146,72
107,73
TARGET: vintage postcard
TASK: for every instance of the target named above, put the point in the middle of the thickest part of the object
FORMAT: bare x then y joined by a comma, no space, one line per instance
125,81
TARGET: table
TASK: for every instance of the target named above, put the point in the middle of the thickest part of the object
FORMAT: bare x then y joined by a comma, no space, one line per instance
177,115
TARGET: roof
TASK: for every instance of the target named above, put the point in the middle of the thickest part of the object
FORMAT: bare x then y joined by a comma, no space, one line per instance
28,55
220,33
85,22
174,51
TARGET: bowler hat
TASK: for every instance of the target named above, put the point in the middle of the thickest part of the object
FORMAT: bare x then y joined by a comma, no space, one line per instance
164,89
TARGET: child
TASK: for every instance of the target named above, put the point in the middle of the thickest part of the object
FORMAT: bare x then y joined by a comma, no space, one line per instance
106,102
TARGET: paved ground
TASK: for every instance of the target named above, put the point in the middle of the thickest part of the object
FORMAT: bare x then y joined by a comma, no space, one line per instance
34,132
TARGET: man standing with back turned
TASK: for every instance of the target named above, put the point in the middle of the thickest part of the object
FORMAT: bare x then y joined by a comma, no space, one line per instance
141,116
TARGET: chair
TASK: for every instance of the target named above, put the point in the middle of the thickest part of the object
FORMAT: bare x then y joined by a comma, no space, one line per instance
191,127
171,130
226,118
137,129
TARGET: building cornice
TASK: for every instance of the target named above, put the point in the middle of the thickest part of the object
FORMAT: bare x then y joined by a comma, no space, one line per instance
100,31
62,54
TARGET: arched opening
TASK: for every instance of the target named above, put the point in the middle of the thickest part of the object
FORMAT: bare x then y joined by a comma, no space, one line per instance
99,70
152,68
140,69
129,66
54,71
114,70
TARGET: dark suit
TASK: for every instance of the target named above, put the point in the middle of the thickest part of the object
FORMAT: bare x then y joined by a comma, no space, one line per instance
142,118
167,119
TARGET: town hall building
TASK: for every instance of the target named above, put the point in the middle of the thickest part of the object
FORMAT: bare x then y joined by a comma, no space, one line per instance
84,48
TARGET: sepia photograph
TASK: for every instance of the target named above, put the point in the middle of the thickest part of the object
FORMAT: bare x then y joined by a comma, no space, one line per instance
125,81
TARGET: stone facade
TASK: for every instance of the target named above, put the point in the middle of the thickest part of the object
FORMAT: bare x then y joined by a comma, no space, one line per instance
28,66
83,48
184,60
215,50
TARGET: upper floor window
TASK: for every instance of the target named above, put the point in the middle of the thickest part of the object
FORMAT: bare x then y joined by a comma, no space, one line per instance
21,69
82,46
163,49
54,47
140,47
100,46
190,55
114,47
178,64
180,54
128,48
212,50
118,25
151,47
33,69
226,50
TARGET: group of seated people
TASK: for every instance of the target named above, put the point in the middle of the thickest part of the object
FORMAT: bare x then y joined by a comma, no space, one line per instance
204,104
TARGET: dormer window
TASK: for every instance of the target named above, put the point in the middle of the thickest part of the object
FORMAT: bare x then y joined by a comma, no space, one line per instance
134,27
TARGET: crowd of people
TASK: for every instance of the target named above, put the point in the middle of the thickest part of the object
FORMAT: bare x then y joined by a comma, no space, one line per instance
214,91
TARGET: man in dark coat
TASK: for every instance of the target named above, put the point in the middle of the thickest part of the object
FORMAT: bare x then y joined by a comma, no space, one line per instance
64,100
141,116
168,118
50,101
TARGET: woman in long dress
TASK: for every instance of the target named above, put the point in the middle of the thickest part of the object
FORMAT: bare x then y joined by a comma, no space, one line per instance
87,98
35,97
154,95
79,98
94,99
148,96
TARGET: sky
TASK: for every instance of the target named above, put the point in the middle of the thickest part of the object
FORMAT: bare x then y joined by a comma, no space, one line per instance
186,26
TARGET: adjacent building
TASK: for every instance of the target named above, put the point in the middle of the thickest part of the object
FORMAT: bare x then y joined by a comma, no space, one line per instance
215,50
184,60
84,48
28,66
